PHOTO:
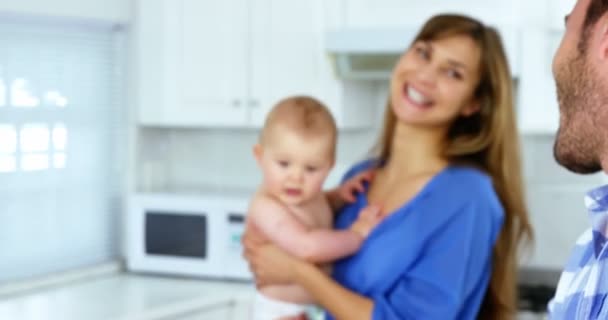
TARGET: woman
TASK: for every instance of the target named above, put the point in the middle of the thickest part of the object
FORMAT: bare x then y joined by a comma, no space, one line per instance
448,179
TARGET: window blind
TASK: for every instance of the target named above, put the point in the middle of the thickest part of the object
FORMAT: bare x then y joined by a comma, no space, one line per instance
62,145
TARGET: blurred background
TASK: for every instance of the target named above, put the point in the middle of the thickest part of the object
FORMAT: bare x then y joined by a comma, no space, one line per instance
124,123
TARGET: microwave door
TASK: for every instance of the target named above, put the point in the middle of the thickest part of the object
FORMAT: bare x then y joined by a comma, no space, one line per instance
176,235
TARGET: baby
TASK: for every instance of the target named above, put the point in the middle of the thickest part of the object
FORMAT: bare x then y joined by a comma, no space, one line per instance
296,151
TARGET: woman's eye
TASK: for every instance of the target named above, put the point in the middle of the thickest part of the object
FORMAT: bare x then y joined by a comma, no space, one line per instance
311,169
422,52
454,74
283,163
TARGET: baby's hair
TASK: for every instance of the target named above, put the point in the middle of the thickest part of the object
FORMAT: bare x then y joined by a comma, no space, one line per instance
303,114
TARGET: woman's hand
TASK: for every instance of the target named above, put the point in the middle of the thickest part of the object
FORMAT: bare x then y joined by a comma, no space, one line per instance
271,265
346,192
268,263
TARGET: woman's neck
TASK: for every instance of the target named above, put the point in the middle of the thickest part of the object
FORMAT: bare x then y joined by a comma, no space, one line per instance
414,151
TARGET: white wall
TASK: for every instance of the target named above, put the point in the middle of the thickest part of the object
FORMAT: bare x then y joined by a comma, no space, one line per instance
107,10
555,202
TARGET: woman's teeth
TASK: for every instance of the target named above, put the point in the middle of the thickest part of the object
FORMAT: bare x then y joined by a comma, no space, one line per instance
417,97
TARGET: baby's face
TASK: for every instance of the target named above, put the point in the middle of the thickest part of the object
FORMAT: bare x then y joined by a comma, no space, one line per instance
294,167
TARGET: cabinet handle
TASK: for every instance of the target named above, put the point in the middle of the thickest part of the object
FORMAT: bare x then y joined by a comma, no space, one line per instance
236,103
254,103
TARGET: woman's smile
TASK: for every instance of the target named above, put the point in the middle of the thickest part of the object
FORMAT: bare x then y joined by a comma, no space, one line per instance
416,98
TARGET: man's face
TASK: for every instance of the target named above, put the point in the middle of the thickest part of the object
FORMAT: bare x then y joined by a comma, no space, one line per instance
578,143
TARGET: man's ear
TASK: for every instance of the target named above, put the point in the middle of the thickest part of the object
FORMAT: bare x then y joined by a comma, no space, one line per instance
472,108
257,153
602,29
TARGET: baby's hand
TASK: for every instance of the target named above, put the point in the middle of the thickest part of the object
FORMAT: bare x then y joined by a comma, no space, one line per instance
368,218
354,185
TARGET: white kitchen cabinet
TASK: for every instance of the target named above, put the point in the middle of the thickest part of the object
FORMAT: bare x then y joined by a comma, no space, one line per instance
288,57
380,16
242,308
192,62
390,13
287,53
223,312
225,64
237,309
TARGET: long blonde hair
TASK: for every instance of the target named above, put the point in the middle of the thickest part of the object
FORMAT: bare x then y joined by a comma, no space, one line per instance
487,140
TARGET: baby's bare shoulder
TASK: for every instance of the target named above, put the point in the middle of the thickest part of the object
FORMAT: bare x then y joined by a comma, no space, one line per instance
263,205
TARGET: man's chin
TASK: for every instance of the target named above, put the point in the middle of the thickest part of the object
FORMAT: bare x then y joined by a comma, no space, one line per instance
574,164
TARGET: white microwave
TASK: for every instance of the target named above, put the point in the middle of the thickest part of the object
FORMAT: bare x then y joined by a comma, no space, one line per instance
194,235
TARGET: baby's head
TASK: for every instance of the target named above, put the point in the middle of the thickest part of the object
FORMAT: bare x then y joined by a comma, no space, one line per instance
296,149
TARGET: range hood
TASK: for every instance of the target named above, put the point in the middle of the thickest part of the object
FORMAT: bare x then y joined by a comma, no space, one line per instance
371,54
367,54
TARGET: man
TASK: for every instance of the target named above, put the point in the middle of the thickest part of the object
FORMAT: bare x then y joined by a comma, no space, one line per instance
580,68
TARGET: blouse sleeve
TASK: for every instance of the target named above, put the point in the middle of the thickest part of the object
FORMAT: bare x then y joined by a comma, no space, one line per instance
453,268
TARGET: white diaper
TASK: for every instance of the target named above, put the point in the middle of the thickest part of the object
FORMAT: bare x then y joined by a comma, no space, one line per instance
265,308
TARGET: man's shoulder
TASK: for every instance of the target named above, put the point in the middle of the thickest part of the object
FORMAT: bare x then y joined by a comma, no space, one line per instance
585,238
580,254
578,275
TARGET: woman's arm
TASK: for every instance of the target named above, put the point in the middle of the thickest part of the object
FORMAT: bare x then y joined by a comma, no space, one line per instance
339,301
272,265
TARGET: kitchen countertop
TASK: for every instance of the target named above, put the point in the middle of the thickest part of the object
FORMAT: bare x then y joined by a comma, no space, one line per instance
124,296
128,296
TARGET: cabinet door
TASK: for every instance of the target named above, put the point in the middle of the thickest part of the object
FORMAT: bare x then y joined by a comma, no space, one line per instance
241,309
148,59
211,70
215,313
238,309
192,62
287,52
378,13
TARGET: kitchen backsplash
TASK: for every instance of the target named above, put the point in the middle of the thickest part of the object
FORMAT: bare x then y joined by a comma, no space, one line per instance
222,158
191,160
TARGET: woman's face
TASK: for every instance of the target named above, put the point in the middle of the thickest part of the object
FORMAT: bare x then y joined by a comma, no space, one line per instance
434,81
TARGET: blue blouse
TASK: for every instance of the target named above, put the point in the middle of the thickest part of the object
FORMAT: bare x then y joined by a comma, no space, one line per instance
431,258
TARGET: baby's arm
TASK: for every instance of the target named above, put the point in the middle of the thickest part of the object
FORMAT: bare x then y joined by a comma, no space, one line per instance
367,220
314,245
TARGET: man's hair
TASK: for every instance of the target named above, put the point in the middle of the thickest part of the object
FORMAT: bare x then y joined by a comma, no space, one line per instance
303,114
596,9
